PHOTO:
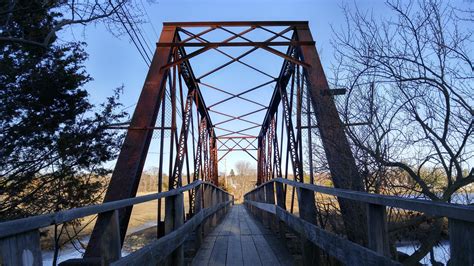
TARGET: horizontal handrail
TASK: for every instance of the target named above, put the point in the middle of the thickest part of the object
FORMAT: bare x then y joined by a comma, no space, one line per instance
338,247
14,227
450,210
169,242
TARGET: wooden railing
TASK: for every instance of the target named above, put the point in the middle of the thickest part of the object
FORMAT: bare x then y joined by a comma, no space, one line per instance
261,202
20,239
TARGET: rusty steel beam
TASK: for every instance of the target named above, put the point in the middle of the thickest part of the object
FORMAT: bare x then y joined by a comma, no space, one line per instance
283,79
243,92
244,54
213,161
226,54
238,131
200,51
301,56
126,176
292,139
183,142
211,45
239,149
238,137
240,116
195,36
339,156
273,32
231,94
198,155
234,23
139,128
273,51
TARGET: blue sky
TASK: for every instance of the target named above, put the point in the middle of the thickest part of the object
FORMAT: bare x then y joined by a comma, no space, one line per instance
115,61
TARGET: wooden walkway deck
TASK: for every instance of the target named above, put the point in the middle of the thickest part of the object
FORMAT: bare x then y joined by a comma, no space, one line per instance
241,240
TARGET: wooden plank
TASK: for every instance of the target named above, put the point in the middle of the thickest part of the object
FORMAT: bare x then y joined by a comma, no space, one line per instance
197,208
280,250
461,235
257,227
159,249
27,224
21,249
217,230
234,251
263,215
278,247
235,226
307,212
110,239
223,227
254,230
270,199
219,252
207,203
174,218
456,211
377,229
267,257
271,208
249,251
214,201
281,202
244,227
342,249
204,253
227,224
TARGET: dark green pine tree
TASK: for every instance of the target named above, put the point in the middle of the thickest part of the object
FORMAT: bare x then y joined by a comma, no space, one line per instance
53,140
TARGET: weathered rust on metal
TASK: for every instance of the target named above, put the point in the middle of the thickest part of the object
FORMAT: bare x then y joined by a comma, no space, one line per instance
129,166
339,156
234,23
171,71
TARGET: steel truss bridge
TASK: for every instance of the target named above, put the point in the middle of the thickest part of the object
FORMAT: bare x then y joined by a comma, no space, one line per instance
193,135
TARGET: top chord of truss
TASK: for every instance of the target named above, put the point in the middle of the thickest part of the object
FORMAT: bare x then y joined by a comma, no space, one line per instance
235,23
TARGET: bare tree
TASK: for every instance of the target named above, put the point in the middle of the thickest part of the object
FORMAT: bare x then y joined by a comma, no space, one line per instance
244,168
412,76
112,13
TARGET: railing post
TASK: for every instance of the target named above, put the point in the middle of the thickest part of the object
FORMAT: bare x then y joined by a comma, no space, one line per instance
223,199
307,211
461,234
110,241
207,203
197,208
270,199
214,201
174,218
251,196
220,213
377,229
21,249
264,216
281,202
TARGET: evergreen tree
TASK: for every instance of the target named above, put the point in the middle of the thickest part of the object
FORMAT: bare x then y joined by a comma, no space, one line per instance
54,141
